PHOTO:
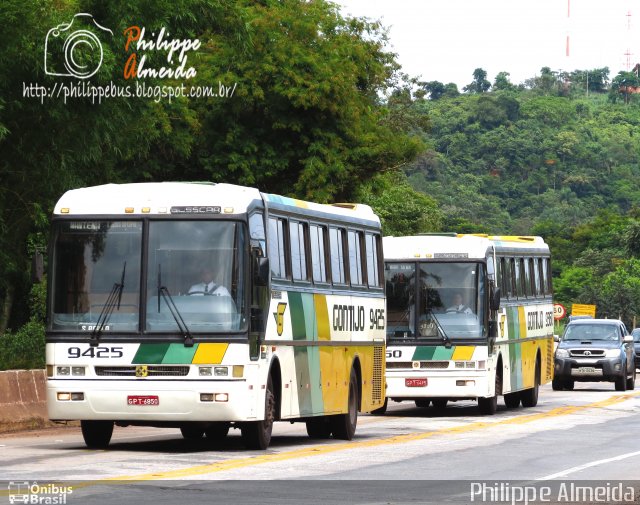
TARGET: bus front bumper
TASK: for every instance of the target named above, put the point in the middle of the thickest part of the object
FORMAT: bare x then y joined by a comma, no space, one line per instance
150,401
404,386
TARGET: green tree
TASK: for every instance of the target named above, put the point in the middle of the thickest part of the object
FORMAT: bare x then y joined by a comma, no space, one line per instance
480,84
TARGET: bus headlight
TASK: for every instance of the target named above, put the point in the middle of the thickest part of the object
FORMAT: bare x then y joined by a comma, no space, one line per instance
63,370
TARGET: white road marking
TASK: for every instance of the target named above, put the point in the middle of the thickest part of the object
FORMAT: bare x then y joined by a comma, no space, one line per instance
575,469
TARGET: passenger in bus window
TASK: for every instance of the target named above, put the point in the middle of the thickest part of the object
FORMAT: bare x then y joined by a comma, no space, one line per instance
458,305
207,285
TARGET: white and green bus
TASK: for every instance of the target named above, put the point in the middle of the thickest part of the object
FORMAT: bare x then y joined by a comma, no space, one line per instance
469,317
208,306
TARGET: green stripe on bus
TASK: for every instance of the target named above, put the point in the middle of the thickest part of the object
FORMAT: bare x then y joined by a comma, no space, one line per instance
309,310
513,323
424,353
513,365
150,354
298,327
301,359
179,354
317,404
442,353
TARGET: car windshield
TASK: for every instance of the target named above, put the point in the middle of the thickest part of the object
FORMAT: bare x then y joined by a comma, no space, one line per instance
591,332
90,259
447,304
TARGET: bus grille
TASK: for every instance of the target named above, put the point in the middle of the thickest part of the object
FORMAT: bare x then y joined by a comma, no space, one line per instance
376,383
423,364
152,371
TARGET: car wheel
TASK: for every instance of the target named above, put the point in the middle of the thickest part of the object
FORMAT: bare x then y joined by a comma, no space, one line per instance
621,383
557,384
631,381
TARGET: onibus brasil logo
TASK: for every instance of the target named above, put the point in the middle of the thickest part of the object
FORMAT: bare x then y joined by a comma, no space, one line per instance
45,494
72,50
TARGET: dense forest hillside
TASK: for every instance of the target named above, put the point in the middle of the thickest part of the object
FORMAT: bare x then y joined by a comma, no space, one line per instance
544,158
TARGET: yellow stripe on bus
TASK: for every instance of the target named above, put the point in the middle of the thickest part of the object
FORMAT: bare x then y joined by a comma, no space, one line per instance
463,352
211,354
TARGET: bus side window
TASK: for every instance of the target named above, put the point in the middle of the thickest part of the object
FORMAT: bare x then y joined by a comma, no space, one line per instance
371,251
297,234
318,238
547,274
354,239
336,244
277,249
514,277
519,274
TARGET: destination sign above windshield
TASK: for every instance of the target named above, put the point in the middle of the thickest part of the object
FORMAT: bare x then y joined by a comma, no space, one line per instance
196,209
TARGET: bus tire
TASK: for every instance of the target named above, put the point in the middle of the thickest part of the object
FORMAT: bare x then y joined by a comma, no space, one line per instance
423,403
530,396
440,403
382,410
257,434
217,431
192,431
318,427
97,434
344,425
512,400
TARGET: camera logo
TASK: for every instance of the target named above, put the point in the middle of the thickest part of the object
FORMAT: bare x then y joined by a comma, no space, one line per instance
74,52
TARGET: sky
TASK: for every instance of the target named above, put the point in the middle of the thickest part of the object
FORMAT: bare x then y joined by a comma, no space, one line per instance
445,40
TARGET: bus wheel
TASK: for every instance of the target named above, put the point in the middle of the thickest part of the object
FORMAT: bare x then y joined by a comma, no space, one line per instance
440,403
217,431
257,434
512,400
423,403
344,425
382,410
530,396
192,431
318,427
97,434
488,406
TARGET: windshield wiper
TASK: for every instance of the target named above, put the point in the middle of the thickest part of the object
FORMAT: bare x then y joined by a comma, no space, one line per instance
113,301
443,334
163,293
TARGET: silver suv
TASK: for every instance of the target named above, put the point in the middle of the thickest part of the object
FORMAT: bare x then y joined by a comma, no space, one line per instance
595,350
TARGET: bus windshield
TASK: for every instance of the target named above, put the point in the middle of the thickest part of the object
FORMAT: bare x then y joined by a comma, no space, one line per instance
435,300
90,257
194,268
201,266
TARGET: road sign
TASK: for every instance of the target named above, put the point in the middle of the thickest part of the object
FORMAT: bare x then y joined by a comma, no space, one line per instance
559,311
578,309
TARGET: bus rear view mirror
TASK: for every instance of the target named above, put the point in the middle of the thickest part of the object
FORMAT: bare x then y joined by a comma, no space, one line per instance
495,299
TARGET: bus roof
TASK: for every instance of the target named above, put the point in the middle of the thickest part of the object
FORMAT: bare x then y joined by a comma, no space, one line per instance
459,246
161,198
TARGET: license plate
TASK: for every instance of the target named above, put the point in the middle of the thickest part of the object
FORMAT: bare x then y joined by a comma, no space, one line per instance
586,369
415,383
143,400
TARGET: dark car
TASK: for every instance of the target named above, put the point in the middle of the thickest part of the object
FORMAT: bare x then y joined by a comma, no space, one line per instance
595,350
636,343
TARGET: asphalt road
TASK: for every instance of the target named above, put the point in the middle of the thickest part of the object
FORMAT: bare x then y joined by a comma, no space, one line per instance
410,455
